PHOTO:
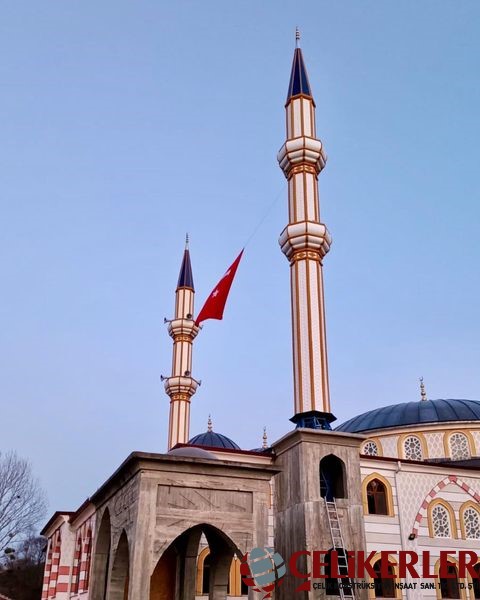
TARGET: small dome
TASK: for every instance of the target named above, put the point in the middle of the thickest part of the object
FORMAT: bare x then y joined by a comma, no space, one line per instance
413,413
192,452
212,439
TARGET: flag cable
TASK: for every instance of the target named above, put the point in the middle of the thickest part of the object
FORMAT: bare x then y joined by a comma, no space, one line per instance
265,215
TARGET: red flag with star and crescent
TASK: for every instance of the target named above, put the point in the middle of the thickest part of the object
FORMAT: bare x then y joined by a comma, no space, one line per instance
215,303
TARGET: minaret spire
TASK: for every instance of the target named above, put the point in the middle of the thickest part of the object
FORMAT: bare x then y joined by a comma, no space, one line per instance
181,386
305,241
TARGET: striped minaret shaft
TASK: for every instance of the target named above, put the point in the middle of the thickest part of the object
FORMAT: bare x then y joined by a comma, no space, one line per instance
181,386
305,241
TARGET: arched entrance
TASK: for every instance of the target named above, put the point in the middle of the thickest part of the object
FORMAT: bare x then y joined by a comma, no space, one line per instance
119,578
332,478
102,559
174,577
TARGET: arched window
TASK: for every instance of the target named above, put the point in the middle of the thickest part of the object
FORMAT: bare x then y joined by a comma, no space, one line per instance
449,587
88,559
332,477
412,448
77,561
203,572
236,586
48,566
441,520
384,587
377,497
56,557
459,446
370,448
206,574
470,521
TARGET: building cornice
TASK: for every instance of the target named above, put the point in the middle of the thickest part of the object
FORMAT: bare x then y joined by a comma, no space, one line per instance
138,462
316,436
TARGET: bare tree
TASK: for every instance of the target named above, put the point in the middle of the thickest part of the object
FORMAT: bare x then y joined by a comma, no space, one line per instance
21,575
22,500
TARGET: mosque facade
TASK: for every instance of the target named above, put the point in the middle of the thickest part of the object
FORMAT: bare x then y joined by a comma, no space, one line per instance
175,525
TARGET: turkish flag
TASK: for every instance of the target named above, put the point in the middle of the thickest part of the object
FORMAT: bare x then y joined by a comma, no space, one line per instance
215,303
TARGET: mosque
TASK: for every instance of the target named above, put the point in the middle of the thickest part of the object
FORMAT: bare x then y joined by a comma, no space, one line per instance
174,525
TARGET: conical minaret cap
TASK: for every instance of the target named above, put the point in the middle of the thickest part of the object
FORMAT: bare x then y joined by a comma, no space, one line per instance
299,83
185,279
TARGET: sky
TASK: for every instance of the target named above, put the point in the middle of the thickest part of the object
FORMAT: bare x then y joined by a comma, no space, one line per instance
123,125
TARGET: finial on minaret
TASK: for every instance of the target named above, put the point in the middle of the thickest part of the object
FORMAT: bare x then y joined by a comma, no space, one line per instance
297,37
209,423
186,241
265,440
423,393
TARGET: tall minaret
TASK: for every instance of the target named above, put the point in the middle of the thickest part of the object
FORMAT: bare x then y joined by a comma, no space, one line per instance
181,386
305,241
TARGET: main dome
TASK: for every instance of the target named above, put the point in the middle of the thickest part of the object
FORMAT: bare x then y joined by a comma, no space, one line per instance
413,413
212,439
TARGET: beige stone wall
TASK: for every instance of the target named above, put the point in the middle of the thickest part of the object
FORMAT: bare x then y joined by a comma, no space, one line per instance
301,521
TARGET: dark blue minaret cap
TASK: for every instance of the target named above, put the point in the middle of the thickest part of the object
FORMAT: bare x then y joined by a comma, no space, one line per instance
185,279
299,78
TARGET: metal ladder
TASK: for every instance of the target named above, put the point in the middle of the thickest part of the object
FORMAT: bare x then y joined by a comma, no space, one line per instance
337,540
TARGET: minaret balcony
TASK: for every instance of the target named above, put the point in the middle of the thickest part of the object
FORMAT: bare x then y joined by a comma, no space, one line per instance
303,152
305,240
182,387
183,330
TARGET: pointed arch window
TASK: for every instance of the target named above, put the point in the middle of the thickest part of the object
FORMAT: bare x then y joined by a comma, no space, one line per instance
206,574
236,586
471,523
77,561
449,587
459,446
377,499
56,557
384,587
88,559
412,448
441,522
332,477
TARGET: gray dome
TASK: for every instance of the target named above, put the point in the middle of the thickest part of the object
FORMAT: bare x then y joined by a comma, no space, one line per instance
212,439
192,452
413,413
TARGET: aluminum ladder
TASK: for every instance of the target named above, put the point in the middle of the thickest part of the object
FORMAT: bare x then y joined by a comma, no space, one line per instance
337,540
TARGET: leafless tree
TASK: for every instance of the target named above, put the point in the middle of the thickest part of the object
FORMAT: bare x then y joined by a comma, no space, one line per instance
22,500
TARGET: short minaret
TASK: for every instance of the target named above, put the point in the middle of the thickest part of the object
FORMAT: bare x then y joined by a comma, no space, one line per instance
265,439
305,241
181,386
423,393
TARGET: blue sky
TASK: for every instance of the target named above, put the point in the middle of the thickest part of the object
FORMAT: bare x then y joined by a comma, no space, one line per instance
125,124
